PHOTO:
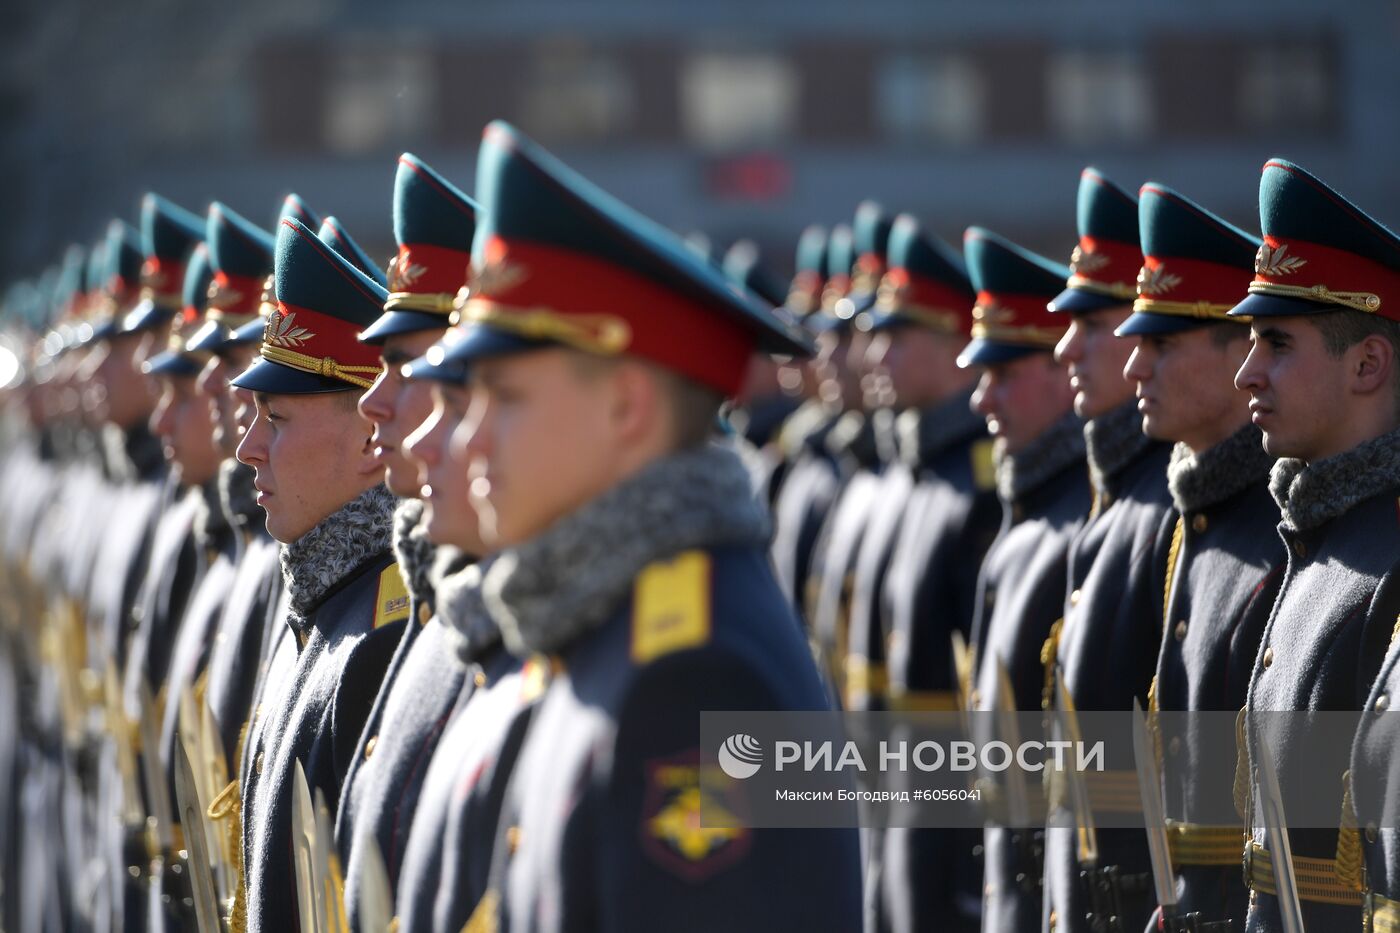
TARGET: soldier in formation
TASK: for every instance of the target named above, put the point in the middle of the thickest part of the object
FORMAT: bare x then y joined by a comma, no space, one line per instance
337,598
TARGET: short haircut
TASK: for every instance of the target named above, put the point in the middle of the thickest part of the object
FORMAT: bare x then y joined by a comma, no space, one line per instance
349,398
1344,328
1224,333
694,408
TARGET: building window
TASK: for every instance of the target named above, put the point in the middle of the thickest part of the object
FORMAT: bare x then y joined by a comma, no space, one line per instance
1099,96
735,100
379,96
1286,86
574,94
936,98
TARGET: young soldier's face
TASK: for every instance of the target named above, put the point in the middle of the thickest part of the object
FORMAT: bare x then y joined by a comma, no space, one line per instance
918,365
126,398
1186,384
1021,399
308,453
1095,358
537,442
220,396
183,423
444,485
837,382
396,407
1298,392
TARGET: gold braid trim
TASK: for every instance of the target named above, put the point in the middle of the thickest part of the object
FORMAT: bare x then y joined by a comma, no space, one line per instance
1030,336
604,334
362,376
1048,652
164,301
1348,840
942,320
430,302
1112,289
1318,878
1357,301
1242,787
1196,309
1173,560
1193,844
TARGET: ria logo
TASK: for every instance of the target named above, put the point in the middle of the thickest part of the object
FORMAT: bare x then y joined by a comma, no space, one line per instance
740,756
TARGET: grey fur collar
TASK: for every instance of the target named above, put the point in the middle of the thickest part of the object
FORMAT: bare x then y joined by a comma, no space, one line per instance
238,498
1311,494
343,541
211,526
1214,475
570,579
924,433
1054,451
413,549
461,606
1114,441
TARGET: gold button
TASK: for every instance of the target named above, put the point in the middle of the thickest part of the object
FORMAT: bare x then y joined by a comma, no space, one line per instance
1174,746
1181,630
369,746
1268,657
258,763
1371,832
1199,523
1299,549
513,838
424,613
480,679
1075,596
1382,702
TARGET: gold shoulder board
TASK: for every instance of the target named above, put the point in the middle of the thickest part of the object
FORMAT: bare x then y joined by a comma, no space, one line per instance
671,606
391,603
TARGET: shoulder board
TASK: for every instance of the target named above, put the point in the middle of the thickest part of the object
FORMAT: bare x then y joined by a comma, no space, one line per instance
984,465
671,606
391,603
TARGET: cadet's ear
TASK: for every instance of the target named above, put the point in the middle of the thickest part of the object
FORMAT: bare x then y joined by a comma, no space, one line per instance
1373,364
636,402
361,429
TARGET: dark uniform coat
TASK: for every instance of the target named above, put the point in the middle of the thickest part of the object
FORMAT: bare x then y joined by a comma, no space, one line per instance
1375,782
172,574
1113,623
601,824
1044,492
1228,567
831,576
950,519
419,693
238,648
1331,623
446,859
809,487
325,673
